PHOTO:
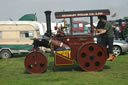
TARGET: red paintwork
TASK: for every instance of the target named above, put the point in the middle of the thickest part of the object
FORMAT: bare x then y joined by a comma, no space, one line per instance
91,59
78,29
61,60
58,44
75,42
122,27
35,62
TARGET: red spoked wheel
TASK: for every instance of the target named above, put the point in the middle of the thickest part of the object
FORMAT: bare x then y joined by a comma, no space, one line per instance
35,62
91,57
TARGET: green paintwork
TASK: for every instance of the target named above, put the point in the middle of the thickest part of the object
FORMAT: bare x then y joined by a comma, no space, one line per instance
17,47
125,32
28,17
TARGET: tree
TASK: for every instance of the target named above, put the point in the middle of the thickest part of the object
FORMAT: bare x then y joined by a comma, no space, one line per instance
126,18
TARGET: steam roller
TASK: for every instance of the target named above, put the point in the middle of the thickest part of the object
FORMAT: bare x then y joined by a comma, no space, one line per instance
70,46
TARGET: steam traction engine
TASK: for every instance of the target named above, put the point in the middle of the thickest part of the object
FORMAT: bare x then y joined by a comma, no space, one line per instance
69,47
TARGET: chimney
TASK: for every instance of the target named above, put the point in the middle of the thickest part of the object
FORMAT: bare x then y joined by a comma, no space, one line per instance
48,22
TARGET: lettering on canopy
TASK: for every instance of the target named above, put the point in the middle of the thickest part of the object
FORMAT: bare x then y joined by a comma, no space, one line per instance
69,14
82,15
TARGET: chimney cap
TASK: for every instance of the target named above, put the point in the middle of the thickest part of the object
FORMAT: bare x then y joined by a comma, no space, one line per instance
48,11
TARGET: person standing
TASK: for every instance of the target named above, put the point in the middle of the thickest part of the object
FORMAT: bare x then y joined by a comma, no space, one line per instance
116,31
98,28
106,36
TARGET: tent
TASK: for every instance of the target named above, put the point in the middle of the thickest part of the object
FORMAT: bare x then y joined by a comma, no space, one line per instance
28,17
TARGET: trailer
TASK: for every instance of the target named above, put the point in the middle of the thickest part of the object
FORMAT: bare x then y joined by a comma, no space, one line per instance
15,37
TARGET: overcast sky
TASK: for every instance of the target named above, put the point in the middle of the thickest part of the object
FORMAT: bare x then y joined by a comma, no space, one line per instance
16,8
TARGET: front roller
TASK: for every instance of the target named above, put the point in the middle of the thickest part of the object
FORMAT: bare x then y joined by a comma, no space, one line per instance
91,57
35,62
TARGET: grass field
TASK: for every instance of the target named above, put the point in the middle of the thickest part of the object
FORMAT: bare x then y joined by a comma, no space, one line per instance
12,72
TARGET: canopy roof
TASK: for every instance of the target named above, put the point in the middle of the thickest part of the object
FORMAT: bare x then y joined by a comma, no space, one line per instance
83,13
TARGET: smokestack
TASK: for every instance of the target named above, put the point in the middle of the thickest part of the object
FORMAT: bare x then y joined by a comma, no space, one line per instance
48,21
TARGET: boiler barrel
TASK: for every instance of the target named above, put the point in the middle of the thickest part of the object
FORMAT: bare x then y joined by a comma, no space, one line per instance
59,44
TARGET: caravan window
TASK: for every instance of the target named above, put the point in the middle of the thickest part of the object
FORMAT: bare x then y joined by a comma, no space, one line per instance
0,34
26,34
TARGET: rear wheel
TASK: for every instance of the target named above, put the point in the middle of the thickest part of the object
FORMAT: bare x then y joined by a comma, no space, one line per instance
5,54
91,57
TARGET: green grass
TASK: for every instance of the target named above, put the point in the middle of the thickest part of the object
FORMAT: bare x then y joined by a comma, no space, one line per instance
12,72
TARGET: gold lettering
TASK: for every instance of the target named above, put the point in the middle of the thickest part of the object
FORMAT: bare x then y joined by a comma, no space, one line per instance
66,53
82,14
69,15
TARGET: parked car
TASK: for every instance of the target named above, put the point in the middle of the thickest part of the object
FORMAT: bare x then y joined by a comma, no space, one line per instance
119,47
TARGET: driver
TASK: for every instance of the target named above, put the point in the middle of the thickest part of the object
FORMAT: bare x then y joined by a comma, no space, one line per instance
106,35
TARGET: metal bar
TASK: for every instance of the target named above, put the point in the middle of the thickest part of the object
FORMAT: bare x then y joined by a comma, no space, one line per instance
71,25
91,23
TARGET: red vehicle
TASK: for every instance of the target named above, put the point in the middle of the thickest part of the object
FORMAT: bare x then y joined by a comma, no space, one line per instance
78,26
123,25
70,47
